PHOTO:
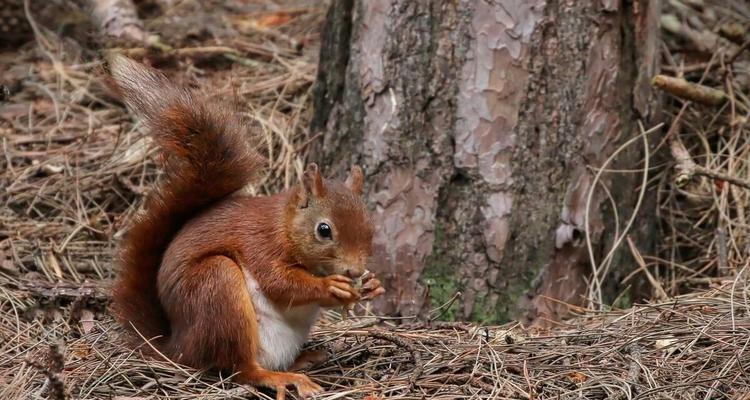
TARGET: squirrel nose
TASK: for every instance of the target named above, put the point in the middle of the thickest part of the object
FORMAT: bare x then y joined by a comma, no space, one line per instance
352,273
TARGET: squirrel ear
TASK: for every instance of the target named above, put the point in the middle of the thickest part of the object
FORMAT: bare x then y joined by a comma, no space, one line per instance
312,184
355,180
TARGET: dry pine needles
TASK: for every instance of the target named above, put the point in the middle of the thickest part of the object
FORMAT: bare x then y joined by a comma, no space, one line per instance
75,166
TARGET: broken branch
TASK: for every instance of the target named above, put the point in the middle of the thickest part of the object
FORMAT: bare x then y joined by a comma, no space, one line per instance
155,42
689,91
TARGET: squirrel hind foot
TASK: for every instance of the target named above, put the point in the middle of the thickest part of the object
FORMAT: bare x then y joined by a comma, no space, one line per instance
279,381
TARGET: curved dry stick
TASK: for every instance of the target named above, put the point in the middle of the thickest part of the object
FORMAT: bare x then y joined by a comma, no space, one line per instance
400,342
597,177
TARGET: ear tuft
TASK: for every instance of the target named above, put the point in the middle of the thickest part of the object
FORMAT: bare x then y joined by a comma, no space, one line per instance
356,179
312,183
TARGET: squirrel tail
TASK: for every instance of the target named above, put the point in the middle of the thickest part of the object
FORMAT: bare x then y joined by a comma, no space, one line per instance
206,156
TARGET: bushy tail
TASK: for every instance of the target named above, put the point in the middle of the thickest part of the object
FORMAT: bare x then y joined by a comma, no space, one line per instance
206,156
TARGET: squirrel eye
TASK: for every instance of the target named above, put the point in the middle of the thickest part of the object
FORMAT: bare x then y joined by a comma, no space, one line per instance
324,231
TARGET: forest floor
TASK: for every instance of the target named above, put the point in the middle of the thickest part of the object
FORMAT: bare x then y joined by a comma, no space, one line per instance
76,164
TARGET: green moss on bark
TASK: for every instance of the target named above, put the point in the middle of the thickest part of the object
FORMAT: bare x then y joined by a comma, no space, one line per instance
443,280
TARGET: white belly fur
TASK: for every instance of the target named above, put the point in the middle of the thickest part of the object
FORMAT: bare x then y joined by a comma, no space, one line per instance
282,332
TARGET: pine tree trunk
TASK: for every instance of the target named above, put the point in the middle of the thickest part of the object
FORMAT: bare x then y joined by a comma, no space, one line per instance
480,125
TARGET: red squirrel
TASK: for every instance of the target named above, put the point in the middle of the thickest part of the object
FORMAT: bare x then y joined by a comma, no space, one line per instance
217,279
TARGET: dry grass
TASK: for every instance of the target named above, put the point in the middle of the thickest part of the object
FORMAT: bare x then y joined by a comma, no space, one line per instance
75,165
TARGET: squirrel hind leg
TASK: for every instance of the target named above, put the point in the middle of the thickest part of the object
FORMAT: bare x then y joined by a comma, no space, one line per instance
215,325
213,320
279,381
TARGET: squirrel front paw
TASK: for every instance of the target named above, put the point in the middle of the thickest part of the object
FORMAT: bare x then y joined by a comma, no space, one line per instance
371,287
340,291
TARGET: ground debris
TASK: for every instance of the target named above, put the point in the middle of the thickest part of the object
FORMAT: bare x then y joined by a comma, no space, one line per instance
681,347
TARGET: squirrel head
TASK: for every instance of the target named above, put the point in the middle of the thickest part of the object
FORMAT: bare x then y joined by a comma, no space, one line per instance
330,230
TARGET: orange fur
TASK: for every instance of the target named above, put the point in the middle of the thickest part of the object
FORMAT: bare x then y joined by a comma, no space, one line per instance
210,272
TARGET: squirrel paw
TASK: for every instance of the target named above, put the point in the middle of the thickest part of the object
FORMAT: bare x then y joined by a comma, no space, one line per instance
371,287
340,291
279,381
306,388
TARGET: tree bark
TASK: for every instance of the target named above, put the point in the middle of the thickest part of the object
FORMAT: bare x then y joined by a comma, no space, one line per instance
480,125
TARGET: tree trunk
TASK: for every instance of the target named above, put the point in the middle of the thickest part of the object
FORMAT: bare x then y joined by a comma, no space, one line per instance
480,125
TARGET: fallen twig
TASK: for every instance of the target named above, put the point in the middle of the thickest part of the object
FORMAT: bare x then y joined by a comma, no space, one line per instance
68,291
698,170
118,18
418,366
156,43
52,370
690,91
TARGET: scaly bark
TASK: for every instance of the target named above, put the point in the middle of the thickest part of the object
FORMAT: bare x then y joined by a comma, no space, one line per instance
478,124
